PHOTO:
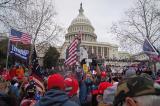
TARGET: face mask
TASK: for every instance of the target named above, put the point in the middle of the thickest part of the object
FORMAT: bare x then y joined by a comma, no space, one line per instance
88,80
103,79
94,87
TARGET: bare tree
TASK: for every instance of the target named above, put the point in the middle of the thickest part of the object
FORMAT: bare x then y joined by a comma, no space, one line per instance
141,21
7,13
36,17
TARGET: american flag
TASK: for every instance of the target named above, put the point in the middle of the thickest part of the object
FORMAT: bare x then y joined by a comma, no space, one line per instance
17,36
71,58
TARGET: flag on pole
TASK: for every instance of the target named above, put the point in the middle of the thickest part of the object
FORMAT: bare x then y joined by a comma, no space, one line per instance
150,50
72,50
17,36
35,65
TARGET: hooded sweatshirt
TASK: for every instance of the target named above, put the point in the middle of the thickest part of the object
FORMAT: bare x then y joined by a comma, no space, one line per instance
56,98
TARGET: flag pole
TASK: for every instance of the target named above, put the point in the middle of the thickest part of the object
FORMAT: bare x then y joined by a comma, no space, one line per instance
79,42
7,53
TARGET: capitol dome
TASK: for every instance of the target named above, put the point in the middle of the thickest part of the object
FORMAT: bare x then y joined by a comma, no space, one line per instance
81,19
81,23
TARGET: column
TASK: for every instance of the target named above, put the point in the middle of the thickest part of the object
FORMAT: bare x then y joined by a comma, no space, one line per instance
101,51
86,37
92,50
83,36
108,52
96,50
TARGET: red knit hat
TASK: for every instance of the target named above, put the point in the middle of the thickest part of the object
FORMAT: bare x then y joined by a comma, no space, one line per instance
102,86
56,80
71,86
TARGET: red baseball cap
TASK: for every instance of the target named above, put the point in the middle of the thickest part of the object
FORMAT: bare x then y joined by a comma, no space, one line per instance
71,86
56,80
102,86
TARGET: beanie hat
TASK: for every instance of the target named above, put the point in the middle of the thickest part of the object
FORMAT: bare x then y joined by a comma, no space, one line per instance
130,72
55,80
71,86
135,86
102,86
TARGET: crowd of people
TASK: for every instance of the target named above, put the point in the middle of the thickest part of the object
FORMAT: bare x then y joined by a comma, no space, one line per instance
98,87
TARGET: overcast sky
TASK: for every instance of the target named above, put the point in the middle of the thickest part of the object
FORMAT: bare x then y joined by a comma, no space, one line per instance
101,13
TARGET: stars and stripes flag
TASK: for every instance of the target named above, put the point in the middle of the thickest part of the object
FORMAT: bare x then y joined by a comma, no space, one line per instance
72,50
17,36
150,50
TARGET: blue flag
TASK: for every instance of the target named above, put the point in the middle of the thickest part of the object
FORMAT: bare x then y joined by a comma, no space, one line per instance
148,48
22,53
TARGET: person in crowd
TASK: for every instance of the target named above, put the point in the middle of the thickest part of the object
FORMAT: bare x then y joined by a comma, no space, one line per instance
114,81
102,86
12,72
3,86
20,72
85,95
56,96
98,77
130,72
23,87
103,76
7,100
14,88
29,99
72,88
108,95
137,91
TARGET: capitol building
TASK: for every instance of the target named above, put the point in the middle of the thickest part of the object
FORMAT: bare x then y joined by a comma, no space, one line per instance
89,39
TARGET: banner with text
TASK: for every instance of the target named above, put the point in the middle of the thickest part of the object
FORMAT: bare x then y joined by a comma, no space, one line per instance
24,54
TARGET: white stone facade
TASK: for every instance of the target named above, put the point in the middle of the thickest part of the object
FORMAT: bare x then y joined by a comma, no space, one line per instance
123,55
140,56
